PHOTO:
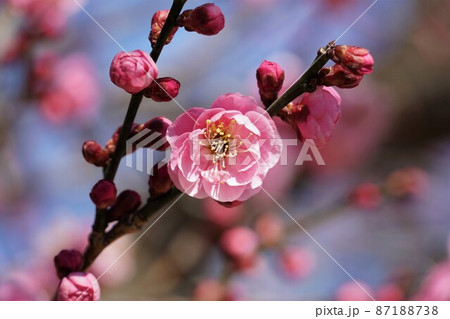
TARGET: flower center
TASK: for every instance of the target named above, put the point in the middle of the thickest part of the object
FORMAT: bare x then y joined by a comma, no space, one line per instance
220,141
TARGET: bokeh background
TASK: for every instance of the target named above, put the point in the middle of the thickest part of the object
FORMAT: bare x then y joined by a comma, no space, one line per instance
380,206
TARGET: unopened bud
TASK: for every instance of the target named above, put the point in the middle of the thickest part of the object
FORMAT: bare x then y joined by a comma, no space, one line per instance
159,182
112,142
339,76
68,261
356,59
78,286
207,19
103,194
270,78
158,21
95,154
126,203
157,128
163,89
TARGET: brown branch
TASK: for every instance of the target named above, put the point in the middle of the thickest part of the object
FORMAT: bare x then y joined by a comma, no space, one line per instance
97,237
304,84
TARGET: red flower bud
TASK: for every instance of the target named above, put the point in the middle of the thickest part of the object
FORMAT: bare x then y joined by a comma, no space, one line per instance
159,182
158,21
356,59
68,261
126,203
112,142
207,19
163,89
270,78
339,76
95,154
157,125
103,194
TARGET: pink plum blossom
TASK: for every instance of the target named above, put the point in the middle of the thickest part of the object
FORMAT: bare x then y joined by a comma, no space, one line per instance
240,243
46,17
324,111
296,263
316,115
133,71
79,287
66,88
436,286
269,228
224,152
209,290
351,291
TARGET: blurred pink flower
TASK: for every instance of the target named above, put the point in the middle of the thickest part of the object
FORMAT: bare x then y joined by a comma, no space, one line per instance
133,71
367,196
224,152
436,285
389,292
411,181
240,243
72,234
21,286
46,17
350,291
67,89
296,263
363,125
209,290
269,228
79,287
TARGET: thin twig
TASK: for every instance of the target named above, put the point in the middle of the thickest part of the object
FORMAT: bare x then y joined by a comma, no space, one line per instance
97,237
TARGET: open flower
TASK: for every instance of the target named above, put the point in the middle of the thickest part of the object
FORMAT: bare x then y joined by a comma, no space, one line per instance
315,116
224,152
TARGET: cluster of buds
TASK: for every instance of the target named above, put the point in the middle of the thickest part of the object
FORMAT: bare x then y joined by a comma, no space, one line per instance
104,196
96,155
270,78
206,19
241,245
75,285
126,204
352,63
